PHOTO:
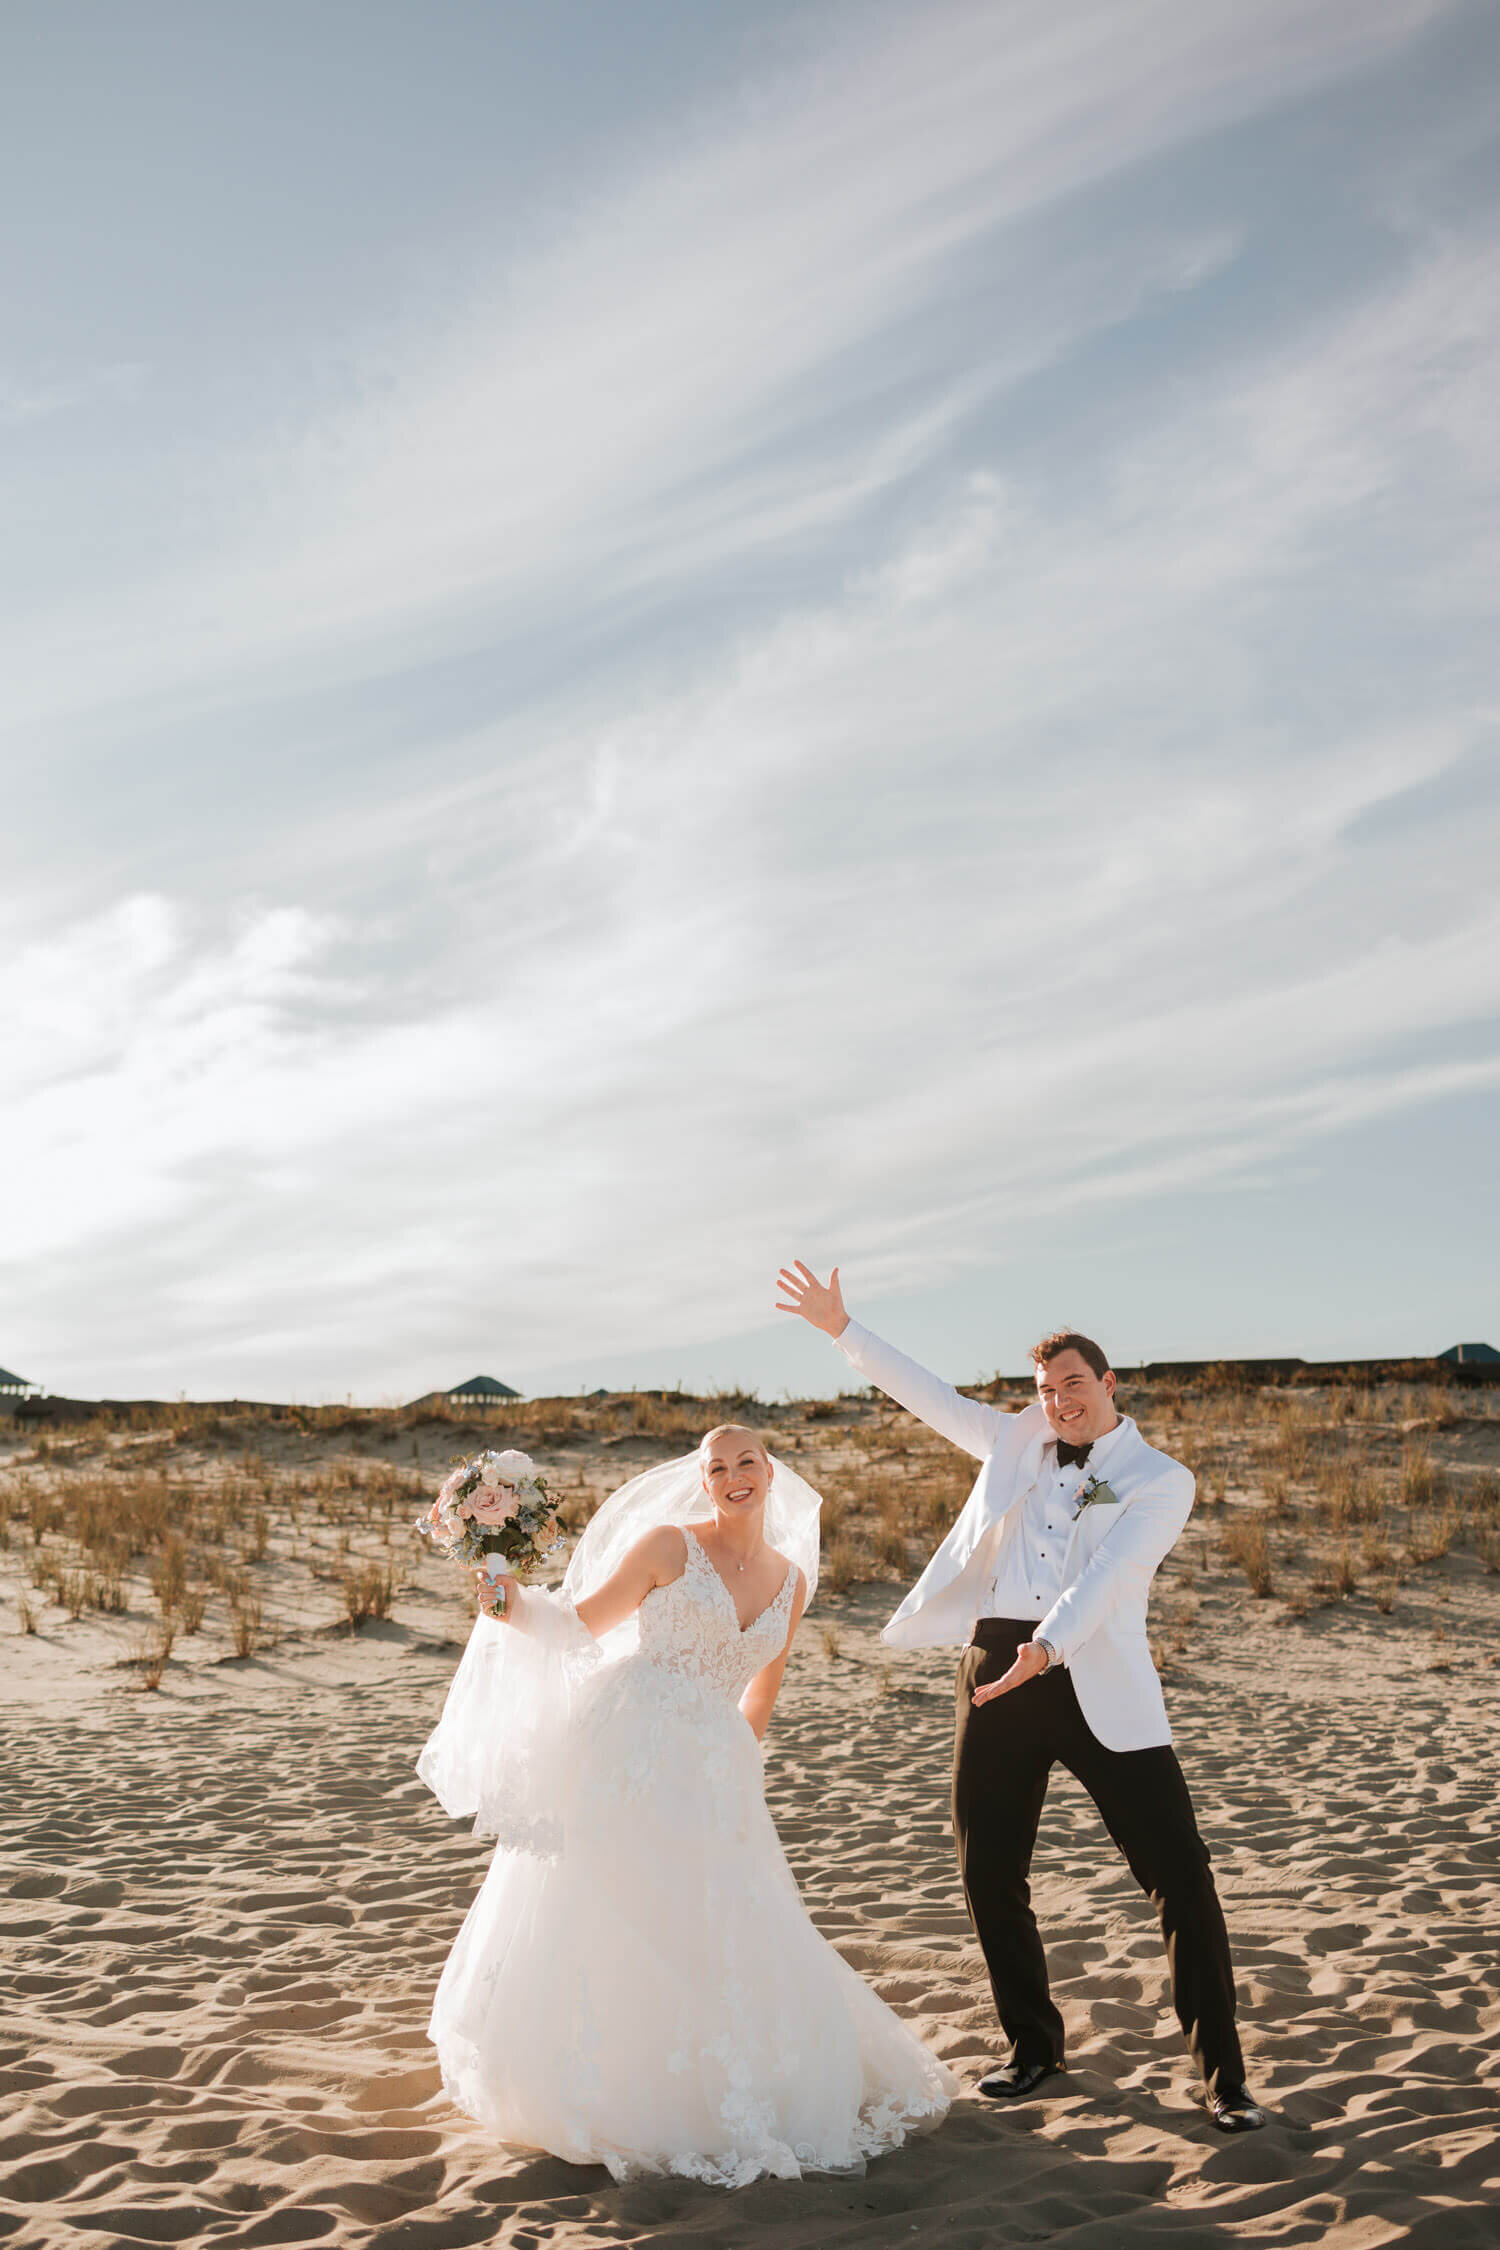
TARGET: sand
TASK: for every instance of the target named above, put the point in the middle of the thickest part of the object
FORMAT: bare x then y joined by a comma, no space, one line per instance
227,1902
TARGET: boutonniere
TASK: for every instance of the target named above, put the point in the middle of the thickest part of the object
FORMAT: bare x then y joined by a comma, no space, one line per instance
1094,1493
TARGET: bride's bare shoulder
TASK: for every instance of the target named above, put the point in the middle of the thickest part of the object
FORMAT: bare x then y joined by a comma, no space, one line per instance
663,1550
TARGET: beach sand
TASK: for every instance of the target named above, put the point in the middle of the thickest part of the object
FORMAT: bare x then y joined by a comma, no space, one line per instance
227,1902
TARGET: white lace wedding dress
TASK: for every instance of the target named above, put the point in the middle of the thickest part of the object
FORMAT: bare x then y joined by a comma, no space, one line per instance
642,1988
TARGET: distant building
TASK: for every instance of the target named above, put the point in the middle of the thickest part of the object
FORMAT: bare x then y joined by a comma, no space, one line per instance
480,1390
16,1386
1471,1355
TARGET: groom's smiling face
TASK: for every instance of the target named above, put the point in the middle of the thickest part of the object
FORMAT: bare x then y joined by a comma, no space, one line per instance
1079,1404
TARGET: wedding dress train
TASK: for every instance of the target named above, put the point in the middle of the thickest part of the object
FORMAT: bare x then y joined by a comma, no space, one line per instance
638,1983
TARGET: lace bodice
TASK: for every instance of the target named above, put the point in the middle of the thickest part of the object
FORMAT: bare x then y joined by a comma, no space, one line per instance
693,1627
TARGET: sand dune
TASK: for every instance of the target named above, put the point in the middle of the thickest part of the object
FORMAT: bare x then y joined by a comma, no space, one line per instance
227,1903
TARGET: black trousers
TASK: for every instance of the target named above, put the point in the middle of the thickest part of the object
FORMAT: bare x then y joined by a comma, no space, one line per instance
1002,1756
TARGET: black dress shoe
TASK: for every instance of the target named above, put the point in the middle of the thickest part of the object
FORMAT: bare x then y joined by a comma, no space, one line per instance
1233,2110
1015,2079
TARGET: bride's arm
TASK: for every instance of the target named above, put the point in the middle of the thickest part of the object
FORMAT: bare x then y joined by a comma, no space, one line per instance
653,1561
759,1699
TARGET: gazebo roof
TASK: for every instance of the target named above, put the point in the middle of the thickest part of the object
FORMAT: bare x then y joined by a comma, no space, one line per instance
1478,1355
11,1382
482,1386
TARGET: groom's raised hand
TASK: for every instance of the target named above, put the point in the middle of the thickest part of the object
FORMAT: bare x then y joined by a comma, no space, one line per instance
823,1306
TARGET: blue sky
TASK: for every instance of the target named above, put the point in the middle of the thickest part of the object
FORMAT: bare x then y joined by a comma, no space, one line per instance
642,639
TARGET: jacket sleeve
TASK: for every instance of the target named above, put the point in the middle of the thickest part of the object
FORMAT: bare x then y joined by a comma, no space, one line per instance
966,1421
1125,1561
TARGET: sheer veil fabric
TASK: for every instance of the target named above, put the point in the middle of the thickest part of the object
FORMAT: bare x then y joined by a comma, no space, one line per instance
673,1493
493,1755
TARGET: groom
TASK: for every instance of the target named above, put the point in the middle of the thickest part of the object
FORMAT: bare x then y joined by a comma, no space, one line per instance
1043,1582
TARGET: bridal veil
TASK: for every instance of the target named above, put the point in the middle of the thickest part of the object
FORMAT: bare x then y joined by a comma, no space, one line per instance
494,1753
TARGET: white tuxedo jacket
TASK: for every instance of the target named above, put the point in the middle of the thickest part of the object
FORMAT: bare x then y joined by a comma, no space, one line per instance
1098,1622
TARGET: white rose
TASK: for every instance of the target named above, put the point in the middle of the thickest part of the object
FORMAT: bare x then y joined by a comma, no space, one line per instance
508,1468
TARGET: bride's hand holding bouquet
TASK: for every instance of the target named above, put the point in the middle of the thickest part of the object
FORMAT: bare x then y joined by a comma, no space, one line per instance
498,1594
494,1510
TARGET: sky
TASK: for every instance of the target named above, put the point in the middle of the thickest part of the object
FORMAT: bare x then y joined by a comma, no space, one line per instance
642,640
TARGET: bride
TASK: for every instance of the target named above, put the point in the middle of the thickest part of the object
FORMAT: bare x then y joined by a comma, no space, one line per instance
638,1983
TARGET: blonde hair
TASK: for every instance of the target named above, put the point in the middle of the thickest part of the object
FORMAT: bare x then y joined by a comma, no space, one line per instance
710,1438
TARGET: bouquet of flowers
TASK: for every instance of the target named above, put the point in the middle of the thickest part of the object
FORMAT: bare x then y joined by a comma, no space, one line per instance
493,1514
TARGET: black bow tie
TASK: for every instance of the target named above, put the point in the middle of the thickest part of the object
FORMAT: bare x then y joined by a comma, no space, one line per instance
1067,1454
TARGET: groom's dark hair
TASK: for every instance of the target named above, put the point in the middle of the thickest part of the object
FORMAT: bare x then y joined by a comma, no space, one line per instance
1069,1340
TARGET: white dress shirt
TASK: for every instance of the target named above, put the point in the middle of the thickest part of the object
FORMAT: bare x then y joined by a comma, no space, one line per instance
1030,1577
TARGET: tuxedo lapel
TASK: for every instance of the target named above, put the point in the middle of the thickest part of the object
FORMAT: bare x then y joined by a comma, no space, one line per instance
946,1598
1120,1470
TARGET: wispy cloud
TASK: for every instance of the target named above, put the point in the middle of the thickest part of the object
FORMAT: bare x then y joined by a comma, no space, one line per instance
729,302
37,396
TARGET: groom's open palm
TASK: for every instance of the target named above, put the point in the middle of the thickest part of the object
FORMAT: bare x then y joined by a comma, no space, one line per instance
1030,1660
822,1305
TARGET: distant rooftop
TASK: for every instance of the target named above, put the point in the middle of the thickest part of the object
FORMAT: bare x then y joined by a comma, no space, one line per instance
1471,1355
15,1386
478,1388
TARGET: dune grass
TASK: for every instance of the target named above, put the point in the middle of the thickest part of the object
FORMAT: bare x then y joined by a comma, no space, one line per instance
242,1527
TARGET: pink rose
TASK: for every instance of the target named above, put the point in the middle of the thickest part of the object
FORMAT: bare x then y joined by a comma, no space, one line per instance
493,1503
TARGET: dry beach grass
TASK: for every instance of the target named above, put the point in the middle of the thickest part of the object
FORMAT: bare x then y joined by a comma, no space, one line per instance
228,1897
